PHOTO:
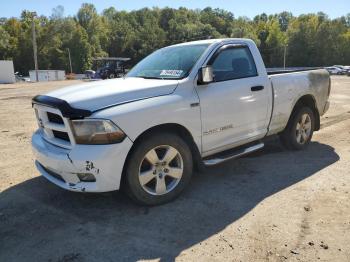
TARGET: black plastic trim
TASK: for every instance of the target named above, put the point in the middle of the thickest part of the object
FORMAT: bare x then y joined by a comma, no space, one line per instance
256,88
233,46
223,48
62,105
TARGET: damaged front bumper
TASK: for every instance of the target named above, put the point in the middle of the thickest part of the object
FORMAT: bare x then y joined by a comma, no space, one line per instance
67,167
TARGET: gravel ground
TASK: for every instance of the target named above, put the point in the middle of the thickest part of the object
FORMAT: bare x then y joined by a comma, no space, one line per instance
274,205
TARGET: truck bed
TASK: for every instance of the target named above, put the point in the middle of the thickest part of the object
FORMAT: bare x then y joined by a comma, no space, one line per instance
273,71
291,85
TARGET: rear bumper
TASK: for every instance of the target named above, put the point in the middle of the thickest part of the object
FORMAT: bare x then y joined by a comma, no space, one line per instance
62,166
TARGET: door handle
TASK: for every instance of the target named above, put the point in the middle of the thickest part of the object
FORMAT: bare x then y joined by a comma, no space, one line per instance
257,88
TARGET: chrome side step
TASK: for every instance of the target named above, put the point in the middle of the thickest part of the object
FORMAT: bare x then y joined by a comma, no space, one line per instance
231,154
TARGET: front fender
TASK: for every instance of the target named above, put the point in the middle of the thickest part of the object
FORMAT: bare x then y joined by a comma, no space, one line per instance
136,117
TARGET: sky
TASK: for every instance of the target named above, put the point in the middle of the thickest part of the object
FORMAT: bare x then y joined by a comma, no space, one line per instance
249,8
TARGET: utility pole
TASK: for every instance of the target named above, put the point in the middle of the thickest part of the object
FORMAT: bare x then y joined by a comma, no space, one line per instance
284,56
70,61
35,49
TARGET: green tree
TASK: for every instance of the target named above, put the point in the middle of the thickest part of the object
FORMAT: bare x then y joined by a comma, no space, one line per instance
91,22
312,39
4,44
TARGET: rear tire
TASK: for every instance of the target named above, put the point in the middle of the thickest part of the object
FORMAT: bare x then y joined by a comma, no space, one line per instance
158,169
299,130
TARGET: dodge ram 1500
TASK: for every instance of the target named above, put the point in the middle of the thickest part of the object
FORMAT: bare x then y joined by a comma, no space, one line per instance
192,104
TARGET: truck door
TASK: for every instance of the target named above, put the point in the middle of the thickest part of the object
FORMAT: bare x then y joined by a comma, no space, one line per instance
234,108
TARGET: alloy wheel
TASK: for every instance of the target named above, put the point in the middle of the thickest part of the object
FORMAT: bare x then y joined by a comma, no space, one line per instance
303,129
161,170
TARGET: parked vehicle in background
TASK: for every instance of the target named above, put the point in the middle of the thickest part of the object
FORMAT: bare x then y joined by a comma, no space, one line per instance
19,78
334,70
344,69
89,73
192,104
108,68
347,68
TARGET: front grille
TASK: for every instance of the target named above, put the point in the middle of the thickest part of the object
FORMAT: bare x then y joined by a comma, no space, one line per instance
60,135
56,128
55,118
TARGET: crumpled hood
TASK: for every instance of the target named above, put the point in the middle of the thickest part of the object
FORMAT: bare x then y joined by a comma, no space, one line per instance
101,94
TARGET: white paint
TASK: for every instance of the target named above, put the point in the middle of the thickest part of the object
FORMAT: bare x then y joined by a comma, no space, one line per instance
232,102
288,88
7,74
99,94
107,159
136,104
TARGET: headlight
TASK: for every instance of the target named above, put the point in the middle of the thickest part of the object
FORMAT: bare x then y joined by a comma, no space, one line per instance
96,132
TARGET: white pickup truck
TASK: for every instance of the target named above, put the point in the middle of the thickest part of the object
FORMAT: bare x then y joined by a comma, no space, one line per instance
189,105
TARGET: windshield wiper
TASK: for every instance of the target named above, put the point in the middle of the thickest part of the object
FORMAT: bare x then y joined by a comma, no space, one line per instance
150,77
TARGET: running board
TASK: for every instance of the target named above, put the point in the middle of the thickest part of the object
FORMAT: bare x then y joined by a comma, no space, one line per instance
231,154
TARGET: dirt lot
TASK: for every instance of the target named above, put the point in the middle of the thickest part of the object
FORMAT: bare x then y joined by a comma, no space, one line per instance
274,205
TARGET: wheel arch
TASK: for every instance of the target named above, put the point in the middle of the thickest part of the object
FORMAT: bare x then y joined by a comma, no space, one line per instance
308,101
174,128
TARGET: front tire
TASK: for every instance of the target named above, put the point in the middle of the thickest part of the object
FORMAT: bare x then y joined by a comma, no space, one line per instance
298,133
158,169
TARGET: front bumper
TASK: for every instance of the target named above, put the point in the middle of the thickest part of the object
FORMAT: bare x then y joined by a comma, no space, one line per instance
61,166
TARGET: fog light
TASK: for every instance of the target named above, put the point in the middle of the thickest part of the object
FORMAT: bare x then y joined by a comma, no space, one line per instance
86,177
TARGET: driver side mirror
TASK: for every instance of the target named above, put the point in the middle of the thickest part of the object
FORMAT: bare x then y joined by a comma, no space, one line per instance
205,75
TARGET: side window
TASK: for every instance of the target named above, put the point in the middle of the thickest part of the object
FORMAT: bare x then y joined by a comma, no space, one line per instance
234,63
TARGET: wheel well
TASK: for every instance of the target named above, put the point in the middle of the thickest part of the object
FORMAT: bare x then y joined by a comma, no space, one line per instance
181,131
170,128
308,101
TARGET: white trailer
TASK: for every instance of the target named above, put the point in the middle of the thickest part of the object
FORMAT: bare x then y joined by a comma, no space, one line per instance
7,74
47,75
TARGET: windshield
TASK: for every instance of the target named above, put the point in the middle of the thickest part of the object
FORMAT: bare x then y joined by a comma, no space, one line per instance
173,62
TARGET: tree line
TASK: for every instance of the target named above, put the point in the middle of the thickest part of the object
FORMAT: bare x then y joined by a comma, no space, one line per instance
309,39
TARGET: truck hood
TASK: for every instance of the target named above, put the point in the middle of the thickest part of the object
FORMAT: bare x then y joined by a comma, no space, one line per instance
101,94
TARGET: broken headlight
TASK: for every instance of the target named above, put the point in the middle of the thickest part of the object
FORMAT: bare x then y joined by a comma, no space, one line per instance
96,132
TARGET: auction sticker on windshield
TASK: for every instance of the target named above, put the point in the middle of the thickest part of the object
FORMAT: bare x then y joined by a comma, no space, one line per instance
173,73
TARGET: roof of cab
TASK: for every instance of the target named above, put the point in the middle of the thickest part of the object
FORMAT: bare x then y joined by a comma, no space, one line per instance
212,41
